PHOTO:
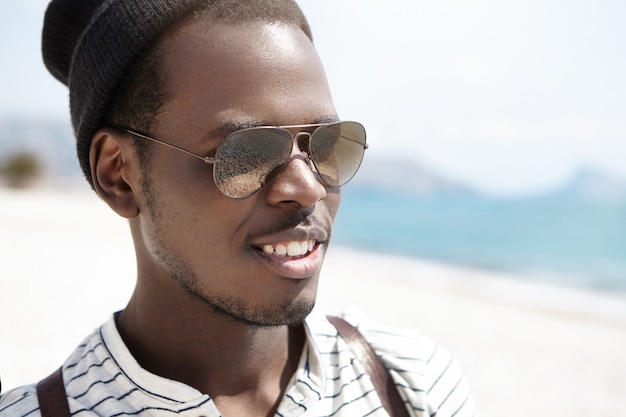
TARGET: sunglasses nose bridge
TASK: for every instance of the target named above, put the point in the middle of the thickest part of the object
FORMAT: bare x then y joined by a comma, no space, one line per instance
300,148
301,141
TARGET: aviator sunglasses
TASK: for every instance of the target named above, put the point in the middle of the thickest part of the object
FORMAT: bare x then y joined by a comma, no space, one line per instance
249,158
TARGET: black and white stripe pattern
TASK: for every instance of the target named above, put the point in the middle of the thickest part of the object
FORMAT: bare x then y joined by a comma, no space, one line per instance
103,379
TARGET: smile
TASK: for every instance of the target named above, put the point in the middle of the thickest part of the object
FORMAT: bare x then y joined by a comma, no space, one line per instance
292,249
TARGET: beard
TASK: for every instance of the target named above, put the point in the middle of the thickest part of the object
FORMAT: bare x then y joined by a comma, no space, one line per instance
237,308
289,314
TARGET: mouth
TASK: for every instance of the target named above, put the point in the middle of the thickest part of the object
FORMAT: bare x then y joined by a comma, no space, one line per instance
297,259
292,249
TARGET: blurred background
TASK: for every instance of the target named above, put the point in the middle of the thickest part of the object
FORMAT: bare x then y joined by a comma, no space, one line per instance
497,132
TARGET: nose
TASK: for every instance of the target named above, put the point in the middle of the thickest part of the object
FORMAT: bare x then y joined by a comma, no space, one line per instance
296,184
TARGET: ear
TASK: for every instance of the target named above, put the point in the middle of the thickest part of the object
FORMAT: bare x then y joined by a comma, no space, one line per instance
111,159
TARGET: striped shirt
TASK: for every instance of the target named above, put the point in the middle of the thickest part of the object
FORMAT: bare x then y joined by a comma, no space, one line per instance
103,379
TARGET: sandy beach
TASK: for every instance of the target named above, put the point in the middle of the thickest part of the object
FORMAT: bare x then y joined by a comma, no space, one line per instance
67,263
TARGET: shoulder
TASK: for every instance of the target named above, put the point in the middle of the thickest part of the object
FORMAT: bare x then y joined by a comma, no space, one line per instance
20,401
419,364
425,373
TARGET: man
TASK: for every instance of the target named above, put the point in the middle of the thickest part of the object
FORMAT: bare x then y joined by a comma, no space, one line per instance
230,219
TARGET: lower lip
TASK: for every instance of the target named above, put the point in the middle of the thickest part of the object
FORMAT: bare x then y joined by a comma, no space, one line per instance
296,268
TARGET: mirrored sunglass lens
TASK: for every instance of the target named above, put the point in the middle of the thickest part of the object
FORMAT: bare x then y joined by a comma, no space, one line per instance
337,151
245,158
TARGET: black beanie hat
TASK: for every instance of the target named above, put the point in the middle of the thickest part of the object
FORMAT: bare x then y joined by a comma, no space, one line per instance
88,45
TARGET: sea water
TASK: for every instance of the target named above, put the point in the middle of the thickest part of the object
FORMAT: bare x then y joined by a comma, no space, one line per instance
567,241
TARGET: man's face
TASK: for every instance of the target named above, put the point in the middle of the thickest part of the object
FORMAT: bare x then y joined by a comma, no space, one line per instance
191,235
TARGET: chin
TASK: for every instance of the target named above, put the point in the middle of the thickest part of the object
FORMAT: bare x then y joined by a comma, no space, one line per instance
286,312
290,315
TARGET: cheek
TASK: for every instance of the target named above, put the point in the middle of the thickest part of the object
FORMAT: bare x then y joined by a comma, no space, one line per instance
202,228
188,215
191,242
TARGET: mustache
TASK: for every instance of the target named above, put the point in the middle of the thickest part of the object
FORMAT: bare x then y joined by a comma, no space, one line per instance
297,220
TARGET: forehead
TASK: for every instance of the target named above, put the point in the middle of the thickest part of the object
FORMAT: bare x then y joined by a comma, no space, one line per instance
262,72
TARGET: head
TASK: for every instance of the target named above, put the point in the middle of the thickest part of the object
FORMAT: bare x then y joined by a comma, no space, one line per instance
107,53
190,73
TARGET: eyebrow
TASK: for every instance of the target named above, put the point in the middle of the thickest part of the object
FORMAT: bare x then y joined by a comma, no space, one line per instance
327,119
229,126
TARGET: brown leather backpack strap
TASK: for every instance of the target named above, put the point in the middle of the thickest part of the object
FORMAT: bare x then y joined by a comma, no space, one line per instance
52,397
383,383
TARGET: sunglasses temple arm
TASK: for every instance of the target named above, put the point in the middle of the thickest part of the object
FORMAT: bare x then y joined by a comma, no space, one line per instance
205,159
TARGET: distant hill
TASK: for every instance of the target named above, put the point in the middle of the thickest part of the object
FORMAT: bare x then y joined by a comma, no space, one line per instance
407,176
591,184
410,177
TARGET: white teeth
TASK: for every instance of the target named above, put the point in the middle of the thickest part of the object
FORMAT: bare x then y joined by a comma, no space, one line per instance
293,248
281,250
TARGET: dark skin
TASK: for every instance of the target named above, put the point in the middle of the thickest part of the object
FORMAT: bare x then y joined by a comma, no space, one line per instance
209,308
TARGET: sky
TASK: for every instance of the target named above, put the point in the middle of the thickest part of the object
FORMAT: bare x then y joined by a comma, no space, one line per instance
511,97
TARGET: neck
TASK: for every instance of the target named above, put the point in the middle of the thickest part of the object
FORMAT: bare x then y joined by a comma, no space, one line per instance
213,353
